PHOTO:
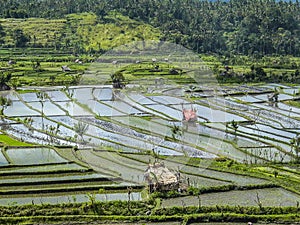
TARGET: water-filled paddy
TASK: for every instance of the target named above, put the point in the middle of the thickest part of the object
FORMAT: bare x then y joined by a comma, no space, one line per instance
135,196
47,108
3,160
101,109
57,96
103,94
27,156
30,97
73,109
65,167
268,197
281,97
137,123
19,109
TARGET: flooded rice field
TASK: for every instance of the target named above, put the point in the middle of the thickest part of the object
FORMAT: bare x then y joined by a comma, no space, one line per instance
113,132
269,197
144,121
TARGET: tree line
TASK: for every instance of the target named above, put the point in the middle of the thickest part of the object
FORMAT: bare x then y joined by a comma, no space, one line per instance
247,27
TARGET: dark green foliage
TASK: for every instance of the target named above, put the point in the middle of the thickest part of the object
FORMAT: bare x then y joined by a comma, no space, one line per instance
117,210
258,74
118,80
230,27
5,77
2,34
234,125
4,103
20,39
166,194
193,191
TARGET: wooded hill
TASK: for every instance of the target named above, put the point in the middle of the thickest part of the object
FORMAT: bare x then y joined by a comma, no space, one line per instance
248,27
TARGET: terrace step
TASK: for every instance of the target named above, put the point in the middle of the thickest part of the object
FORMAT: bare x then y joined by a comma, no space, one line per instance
65,181
64,189
36,169
60,172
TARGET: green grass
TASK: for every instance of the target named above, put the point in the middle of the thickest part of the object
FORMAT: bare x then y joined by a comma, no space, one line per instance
6,140
293,103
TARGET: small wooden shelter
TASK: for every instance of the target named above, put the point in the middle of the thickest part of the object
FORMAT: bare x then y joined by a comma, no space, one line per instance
160,178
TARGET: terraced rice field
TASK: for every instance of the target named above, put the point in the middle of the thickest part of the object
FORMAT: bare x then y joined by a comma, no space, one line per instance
268,197
124,131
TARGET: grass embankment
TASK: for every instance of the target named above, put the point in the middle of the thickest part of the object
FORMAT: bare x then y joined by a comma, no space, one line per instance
8,141
141,212
293,103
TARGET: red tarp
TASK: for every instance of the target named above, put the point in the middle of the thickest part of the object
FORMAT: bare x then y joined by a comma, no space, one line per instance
190,114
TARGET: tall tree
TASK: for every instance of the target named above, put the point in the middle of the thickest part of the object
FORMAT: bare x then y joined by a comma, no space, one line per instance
20,39
5,77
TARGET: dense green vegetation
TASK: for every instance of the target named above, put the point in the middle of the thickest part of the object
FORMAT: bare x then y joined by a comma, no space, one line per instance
8,141
234,27
75,33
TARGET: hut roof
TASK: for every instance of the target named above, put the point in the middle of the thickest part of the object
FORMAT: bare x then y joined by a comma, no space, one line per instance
158,173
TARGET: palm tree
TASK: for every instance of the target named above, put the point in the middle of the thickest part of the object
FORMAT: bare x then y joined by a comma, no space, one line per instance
42,97
80,128
235,126
176,131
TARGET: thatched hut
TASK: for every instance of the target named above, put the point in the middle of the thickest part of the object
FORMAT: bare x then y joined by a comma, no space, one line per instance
160,178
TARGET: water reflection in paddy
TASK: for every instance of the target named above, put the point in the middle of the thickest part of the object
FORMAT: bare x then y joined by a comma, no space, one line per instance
19,109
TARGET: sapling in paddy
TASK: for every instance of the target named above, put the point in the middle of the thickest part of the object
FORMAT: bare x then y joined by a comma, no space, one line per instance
81,128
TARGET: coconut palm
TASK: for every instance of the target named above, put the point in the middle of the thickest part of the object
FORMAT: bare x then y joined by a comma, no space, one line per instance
80,128
42,97
176,131
235,126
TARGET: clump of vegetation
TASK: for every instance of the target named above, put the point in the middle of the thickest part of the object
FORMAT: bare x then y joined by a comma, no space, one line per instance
4,103
5,77
81,128
118,80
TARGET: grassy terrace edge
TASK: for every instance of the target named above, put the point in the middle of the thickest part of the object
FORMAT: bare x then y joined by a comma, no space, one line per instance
124,211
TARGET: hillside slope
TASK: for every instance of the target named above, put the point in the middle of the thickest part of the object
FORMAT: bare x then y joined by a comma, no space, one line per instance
81,32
